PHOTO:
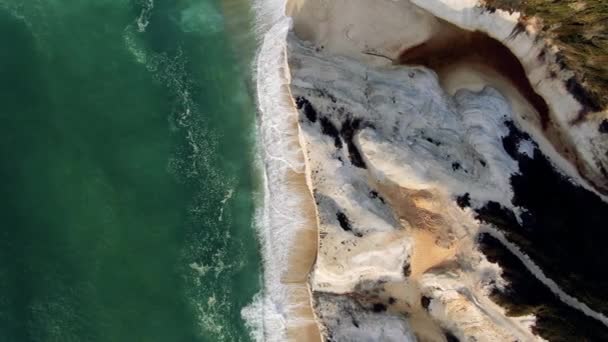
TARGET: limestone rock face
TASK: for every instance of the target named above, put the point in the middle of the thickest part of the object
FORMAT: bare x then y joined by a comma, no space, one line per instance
575,113
450,165
387,150
347,320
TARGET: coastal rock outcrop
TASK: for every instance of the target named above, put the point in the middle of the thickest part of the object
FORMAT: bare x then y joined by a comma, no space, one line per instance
387,150
451,162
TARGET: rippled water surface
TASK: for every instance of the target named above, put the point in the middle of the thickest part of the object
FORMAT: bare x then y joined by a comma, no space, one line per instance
126,161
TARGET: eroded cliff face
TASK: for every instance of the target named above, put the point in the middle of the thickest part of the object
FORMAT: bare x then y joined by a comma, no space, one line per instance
457,178
387,150
575,110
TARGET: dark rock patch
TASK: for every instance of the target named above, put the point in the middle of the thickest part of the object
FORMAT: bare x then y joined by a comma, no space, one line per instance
407,270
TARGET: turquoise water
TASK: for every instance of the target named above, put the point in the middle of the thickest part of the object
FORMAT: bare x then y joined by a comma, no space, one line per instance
126,153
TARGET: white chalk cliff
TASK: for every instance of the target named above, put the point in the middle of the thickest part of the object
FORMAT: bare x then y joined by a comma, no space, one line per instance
374,159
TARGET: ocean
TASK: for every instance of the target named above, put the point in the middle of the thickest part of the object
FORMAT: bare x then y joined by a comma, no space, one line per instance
129,184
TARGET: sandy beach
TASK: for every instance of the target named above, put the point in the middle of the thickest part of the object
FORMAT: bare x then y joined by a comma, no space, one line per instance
301,261
301,324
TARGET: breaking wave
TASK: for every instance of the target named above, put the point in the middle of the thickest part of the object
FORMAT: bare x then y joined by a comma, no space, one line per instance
279,218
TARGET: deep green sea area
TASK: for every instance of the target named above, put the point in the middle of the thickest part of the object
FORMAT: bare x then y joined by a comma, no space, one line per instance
127,175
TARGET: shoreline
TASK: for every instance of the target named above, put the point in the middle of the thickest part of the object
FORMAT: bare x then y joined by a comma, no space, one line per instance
288,227
304,248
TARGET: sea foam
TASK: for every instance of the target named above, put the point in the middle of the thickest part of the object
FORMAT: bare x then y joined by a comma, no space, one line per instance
280,217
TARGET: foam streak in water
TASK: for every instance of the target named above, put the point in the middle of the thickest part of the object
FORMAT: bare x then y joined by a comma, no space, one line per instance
144,16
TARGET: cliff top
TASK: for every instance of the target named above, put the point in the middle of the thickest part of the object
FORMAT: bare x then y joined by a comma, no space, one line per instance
580,30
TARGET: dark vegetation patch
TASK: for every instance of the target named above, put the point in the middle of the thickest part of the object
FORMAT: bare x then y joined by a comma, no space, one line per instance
542,54
392,300
349,128
326,94
581,36
378,307
425,302
564,229
603,128
511,141
525,294
497,215
407,270
328,128
455,166
582,96
517,30
344,221
306,107
345,224
464,201
374,194
347,131
432,141
449,337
